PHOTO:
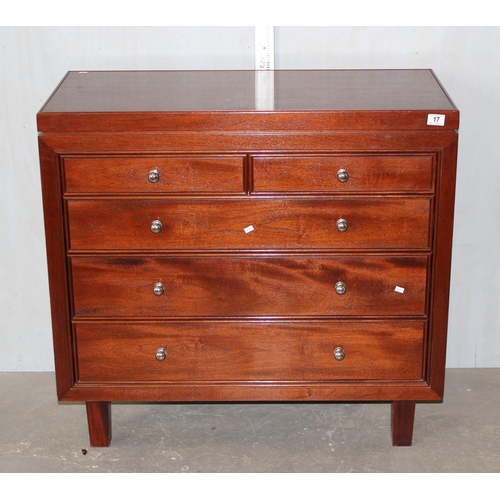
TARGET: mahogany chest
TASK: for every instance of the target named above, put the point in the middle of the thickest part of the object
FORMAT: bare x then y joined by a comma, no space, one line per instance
249,236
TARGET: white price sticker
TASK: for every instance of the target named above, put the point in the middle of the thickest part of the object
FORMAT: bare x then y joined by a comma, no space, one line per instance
248,229
436,120
399,289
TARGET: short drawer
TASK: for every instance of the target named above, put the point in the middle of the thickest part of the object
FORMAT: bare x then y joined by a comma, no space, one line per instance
241,286
343,174
143,174
279,223
261,352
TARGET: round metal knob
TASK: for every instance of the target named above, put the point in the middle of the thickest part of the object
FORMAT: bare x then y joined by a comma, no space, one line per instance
342,175
156,226
161,354
154,176
339,353
158,289
342,225
340,287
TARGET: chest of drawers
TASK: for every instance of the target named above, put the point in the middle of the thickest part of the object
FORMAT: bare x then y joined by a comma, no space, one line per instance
206,243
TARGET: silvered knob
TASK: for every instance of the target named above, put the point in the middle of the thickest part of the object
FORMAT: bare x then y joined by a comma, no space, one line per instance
154,176
342,175
156,226
161,353
340,287
342,225
339,353
158,289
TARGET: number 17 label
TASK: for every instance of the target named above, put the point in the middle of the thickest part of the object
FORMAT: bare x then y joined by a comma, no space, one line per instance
436,120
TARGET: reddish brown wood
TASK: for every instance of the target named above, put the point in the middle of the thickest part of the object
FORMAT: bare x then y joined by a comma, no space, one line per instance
279,224
298,352
216,142
99,421
311,174
402,418
235,391
248,316
56,263
177,174
222,286
214,100
440,284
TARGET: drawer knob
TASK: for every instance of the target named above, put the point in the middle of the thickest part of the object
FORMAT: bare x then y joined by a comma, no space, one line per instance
154,176
158,289
342,225
342,175
161,354
339,353
156,226
340,287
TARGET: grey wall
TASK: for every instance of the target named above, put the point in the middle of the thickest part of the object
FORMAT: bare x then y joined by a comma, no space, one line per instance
34,59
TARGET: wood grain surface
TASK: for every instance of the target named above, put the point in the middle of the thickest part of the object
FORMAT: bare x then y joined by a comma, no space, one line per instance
248,286
279,223
177,174
143,101
272,352
373,173
249,252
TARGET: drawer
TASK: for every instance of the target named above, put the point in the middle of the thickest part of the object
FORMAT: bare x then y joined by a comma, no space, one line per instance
279,223
240,286
343,174
176,174
271,352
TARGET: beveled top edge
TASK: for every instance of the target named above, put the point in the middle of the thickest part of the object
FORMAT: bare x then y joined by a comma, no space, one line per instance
247,90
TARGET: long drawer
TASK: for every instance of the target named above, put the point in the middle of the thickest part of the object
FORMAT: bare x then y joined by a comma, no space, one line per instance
343,174
278,223
152,175
216,351
233,286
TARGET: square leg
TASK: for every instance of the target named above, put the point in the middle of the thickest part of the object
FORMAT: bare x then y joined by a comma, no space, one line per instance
403,416
99,420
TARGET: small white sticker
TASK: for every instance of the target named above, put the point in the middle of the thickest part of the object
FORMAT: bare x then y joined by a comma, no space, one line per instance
399,289
248,229
436,120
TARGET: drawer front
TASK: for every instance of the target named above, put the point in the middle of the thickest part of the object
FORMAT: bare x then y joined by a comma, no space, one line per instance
280,223
154,175
290,352
343,174
223,286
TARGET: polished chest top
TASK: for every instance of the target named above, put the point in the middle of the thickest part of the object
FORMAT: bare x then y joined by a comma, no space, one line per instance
246,236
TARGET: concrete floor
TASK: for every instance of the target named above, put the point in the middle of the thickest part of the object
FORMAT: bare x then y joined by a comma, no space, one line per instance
38,434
